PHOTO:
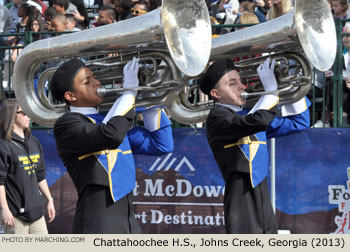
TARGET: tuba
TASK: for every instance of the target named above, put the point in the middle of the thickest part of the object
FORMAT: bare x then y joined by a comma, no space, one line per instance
306,35
172,41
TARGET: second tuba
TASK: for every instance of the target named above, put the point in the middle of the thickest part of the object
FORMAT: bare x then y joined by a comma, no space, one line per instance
303,37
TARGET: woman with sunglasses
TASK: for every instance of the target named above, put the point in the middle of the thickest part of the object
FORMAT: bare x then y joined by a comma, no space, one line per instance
22,175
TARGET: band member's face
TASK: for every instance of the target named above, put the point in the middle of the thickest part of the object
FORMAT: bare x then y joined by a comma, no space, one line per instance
229,89
84,93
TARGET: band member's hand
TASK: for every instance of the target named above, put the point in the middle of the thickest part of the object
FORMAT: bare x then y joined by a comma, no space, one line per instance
130,73
267,76
7,217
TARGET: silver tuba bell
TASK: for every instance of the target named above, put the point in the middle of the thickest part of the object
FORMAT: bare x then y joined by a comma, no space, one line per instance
306,35
171,42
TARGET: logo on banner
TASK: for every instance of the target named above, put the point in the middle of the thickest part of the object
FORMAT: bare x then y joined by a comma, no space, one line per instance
340,195
184,163
166,195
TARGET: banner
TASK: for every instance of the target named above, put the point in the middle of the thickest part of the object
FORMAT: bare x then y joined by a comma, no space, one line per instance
182,192
306,165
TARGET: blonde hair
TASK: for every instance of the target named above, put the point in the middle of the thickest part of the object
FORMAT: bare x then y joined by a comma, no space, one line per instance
275,12
248,18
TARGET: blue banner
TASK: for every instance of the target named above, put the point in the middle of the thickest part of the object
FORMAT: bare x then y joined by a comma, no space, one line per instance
183,191
306,164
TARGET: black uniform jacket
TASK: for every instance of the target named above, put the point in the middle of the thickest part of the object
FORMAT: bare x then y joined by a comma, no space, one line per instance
77,135
225,126
246,209
96,212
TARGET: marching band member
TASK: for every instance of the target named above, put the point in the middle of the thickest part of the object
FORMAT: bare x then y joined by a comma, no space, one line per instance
237,138
98,150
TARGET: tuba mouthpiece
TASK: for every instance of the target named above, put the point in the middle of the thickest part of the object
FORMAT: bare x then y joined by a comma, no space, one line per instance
245,95
101,92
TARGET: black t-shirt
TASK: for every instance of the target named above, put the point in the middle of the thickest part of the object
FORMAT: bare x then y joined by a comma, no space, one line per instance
20,28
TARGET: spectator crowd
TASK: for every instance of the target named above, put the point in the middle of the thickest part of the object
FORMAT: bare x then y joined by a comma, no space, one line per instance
59,16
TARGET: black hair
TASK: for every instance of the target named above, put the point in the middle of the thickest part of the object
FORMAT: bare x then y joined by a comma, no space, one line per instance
110,10
62,3
50,12
28,9
36,16
154,4
125,4
63,79
144,3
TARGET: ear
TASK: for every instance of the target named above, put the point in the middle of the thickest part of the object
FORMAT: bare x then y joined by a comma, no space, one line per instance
70,96
215,93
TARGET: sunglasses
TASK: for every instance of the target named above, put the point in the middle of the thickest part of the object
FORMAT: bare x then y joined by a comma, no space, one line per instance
137,11
21,112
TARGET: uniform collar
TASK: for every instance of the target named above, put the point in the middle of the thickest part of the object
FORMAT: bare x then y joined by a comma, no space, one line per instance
84,110
232,107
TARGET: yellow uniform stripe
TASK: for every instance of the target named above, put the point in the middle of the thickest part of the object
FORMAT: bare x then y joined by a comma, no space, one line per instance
251,166
130,108
159,117
110,176
247,140
272,105
243,142
101,153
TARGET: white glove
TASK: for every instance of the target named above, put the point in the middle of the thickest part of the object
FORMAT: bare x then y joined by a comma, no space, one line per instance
148,66
126,102
267,77
130,73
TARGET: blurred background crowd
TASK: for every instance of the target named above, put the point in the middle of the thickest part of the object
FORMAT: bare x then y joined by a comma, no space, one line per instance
54,17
